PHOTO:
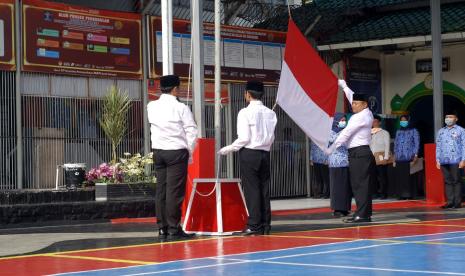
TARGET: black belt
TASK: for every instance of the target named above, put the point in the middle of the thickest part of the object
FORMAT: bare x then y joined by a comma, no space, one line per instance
355,149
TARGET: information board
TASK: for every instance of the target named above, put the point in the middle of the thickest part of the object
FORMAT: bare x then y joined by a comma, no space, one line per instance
7,45
66,39
247,53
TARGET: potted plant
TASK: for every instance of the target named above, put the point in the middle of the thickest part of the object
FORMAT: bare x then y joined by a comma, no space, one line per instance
115,117
127,179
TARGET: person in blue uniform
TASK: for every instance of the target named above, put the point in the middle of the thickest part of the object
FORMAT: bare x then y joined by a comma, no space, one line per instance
339,181
319,162
450,158
406,146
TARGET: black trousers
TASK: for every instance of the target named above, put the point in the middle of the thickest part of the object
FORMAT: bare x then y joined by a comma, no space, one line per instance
171,171
453,183
362,171
404,181
341,192
382,183
320,187
255,173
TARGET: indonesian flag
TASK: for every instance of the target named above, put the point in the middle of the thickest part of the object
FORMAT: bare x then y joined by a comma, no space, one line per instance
307,89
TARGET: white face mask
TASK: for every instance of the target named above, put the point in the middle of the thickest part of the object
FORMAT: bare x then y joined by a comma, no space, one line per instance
449,121
342,124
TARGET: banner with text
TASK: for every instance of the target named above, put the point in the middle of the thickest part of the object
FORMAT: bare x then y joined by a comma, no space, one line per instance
7,45
66,39
246,53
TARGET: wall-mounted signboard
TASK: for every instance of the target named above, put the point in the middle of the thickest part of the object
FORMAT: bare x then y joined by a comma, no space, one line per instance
246,53
426,65
7,45
66,39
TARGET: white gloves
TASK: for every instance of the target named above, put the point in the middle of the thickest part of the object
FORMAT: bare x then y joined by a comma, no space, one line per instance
342,84
225,150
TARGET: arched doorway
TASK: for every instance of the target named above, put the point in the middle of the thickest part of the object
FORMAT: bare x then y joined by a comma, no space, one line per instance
422,116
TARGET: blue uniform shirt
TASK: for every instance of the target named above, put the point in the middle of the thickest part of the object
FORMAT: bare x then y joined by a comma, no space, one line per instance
406,144
317,155
340,157
450,145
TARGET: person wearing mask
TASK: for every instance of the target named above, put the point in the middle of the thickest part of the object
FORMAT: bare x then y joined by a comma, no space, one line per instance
406,146
450,158
174,134
380,144
357,136
255,135
319,162
338,162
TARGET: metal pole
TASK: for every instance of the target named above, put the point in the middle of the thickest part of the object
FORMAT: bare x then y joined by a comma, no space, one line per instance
167,36
217,76
145,88
170,37
436,43
197,65
19,133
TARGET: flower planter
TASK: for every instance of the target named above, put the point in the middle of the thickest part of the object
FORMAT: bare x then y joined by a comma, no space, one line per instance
123,191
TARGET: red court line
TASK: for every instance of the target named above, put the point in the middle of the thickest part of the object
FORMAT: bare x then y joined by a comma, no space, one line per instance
391,205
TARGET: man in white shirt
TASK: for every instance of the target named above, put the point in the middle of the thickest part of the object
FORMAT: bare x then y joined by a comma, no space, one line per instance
174,134
380,143
255,130
356,137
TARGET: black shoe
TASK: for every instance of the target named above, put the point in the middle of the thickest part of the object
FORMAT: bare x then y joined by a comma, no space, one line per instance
266,229
162,232
357,219
338,214
383,197
447,206
180,235
251,232
458,206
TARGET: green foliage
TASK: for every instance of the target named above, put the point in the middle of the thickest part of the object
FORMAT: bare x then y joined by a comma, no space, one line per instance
114,119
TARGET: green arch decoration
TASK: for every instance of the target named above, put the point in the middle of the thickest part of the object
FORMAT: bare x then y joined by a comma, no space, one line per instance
400,105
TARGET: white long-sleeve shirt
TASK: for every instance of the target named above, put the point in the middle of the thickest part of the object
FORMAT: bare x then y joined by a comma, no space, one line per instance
255,127
358,131
380,142
171,124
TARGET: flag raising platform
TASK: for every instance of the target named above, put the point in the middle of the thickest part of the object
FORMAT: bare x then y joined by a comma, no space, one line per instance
216,207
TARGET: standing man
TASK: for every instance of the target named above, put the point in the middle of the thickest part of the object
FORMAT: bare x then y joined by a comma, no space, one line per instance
357,136
174,134
380,144
450,158
255,135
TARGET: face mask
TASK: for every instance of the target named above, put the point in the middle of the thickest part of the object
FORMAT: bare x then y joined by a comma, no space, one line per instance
449,121
403,123
342,124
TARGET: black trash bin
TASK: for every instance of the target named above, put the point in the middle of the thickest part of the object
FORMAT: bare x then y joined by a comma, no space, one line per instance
74,175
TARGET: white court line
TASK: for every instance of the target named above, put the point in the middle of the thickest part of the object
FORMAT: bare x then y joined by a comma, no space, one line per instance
369,268
185,269
266,251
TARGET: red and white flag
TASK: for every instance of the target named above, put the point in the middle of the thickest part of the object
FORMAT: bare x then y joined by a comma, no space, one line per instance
307,89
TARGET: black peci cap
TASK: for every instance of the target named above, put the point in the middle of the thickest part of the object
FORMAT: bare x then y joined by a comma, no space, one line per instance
255,86
360,97
169,81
